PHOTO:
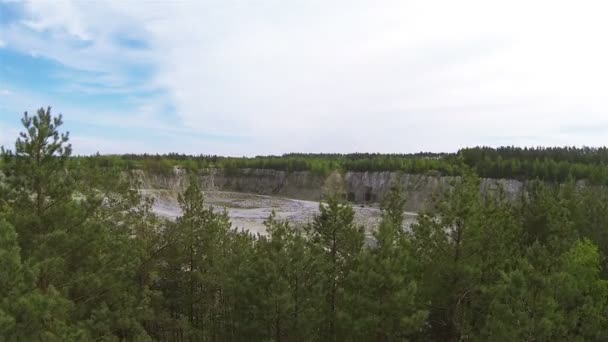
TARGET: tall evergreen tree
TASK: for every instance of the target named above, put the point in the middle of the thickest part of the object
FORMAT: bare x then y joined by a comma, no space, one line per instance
286,274
36,172
462,245
382,292
193,277
77,240
338,242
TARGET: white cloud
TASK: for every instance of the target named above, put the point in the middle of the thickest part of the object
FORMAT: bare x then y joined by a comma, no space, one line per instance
389,76
83,38
352,75
59,14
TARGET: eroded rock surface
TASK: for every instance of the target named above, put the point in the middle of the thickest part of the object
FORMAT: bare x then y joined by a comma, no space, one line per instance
360,187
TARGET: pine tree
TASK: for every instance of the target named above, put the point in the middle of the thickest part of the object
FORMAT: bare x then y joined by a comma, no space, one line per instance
338,241
193,277
37,174
272,307
246,313
382,292
461,247
26,313
77,241
286,276
549,299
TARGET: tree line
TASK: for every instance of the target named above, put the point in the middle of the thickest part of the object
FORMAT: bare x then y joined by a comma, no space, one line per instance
82,257
553,164
556,165
320,164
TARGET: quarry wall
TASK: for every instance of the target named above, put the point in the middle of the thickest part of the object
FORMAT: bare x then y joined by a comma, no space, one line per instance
359,187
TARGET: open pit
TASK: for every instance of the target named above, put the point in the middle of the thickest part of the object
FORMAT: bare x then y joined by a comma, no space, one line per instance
249,211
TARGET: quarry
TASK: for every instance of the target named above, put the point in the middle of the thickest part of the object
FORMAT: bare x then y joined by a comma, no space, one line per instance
250,195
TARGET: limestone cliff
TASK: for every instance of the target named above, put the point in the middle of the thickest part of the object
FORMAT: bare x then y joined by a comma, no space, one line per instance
360,187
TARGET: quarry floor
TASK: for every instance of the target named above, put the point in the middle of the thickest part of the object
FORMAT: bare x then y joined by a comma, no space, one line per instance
249,211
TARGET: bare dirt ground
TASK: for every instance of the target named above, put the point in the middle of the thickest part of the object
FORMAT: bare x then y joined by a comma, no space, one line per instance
249,211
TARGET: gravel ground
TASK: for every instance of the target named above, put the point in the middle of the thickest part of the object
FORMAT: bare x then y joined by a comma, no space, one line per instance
249,211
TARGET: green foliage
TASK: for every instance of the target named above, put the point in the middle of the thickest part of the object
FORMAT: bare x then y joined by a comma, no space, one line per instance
382,292
553,164
556,165
192,276
83,258
550,299
462,246
318,164
283,275
75,237
337,243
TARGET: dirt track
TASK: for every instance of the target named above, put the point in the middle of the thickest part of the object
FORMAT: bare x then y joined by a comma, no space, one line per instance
249,211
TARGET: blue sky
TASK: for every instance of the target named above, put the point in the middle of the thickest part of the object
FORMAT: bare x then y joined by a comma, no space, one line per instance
270,77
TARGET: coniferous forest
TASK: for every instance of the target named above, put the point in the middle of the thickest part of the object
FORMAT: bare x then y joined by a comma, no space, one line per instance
560,164
83,258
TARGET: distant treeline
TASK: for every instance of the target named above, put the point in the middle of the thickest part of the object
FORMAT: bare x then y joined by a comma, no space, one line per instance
554,164
316,163
83,257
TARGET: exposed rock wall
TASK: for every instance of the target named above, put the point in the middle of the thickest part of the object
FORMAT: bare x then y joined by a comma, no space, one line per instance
360,187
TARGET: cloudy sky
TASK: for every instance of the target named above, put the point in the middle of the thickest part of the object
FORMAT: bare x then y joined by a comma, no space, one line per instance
275,76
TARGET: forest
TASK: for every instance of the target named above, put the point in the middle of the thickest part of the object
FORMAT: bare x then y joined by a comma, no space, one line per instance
557,165
83,258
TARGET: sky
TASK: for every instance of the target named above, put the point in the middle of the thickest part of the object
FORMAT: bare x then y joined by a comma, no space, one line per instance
246,78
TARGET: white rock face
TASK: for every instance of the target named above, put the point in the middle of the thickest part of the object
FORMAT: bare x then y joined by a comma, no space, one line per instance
359,187
250,195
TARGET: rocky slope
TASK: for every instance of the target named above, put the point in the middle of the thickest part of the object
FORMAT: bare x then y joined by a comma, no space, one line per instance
360,187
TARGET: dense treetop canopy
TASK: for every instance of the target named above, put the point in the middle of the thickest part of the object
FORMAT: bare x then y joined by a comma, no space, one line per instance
83,258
